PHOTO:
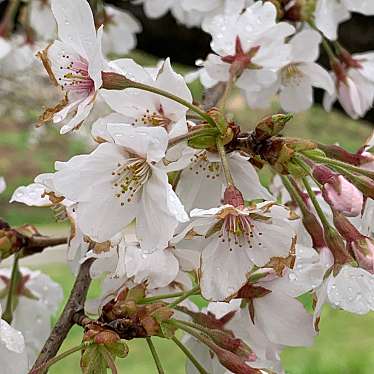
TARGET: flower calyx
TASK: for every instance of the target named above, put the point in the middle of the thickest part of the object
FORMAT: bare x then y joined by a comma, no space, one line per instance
241,60
132,320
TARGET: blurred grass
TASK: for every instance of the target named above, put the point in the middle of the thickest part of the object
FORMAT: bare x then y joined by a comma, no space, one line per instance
345,344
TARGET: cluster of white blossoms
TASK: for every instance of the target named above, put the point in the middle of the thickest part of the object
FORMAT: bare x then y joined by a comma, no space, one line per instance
169,204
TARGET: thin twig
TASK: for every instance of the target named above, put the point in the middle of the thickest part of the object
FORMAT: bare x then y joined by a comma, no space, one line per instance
155,355
74,304
189,355
37,244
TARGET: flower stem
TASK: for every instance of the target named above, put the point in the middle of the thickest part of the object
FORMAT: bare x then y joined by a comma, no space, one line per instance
295,194
114,81
224,161
188,135
155,355
161,297
189,355
48,364
329,161
14,278
223,101
184,296
203,339
315,202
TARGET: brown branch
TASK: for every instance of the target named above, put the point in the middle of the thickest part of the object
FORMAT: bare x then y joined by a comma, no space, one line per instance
74,305
37,244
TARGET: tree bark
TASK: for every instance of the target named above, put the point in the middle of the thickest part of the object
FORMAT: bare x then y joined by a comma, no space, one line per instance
74,305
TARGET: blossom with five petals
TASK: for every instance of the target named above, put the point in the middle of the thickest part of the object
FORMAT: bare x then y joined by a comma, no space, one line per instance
122,180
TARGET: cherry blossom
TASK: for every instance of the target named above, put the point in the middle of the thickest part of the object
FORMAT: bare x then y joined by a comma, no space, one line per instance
42,20
2,184
74,62
238,237
355,94
12,349
31,195
17,54
38,299
338,192
126,264
202,179
120,29
124,179
295,81
330,13
250,45
5,47
351,290
147,109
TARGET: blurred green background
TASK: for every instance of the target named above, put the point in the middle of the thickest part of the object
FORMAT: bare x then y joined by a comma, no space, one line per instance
346,342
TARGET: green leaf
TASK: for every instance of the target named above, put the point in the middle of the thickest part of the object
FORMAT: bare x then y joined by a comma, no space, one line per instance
92,361
119,349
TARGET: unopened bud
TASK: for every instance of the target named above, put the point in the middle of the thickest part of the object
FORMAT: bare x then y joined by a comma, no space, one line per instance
338,192
339,70
230,343
234,363
345,227
364,184
348,59
363,250
314,229
337,246
338,153
361,246
271,126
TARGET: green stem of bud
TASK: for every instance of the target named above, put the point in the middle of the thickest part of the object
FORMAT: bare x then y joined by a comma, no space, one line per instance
295,194
331,162
151,299
182,326
185,296
189,355
14,278
223,101
316,205
224,161
155,356
194,132
114,81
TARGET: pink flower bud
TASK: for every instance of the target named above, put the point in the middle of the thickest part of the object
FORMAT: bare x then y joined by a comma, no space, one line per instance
233,362
338,192
361,246
363,249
